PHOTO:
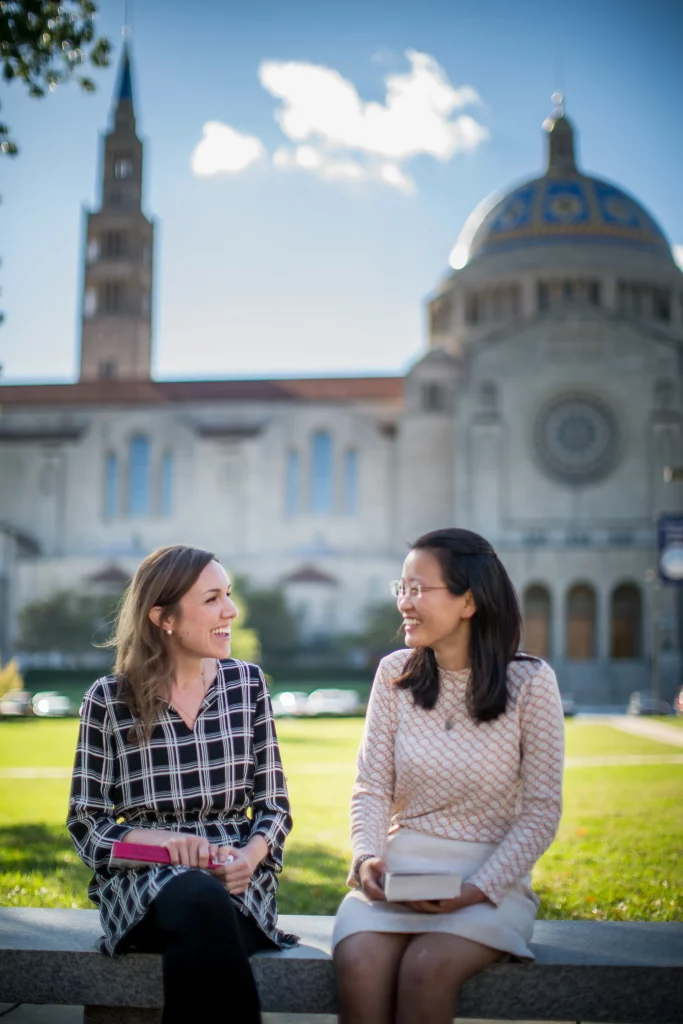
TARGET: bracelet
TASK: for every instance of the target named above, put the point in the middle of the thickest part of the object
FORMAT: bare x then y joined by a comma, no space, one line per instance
357,863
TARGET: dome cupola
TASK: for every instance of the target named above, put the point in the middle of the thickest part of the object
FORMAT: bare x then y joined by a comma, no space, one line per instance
562,207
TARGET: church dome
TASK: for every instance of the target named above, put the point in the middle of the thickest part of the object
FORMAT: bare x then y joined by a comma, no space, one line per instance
564,206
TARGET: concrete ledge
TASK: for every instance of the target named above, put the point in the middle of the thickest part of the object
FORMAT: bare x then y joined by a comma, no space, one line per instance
616,972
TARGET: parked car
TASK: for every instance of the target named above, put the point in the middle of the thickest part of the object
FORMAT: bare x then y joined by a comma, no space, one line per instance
678,702
647,704
332,702
568,705
50,704
16,702
289,703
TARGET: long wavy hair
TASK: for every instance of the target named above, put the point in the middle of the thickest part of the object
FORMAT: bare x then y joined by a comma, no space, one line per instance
468,562
144,666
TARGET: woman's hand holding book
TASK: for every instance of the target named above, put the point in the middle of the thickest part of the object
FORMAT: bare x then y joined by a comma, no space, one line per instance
370,875
469,895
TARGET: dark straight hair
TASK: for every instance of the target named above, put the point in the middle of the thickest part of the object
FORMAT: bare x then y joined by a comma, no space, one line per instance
468,562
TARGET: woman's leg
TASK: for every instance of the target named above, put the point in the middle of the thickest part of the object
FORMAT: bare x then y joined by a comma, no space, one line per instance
194,924
367,967
433,969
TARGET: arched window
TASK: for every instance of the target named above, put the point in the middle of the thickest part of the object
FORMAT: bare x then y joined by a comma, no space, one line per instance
321,494
488,395
626,622
351,481
138,476
112,498
166,484
537,620
581,623
434,397
293,483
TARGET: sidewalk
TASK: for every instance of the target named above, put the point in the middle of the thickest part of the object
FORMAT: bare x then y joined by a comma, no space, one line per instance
637,726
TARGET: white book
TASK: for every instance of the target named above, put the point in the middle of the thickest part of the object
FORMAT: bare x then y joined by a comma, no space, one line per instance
402,886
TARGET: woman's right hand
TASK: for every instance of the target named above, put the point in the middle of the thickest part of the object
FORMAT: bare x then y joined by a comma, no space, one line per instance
370,874
184,848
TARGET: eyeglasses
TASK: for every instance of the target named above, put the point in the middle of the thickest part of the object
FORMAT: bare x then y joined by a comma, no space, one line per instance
412,590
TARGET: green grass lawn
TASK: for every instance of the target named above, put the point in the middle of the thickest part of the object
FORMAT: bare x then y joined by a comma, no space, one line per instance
617,855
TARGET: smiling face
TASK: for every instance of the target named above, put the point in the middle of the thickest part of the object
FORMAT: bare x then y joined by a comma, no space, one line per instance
437,618
202,624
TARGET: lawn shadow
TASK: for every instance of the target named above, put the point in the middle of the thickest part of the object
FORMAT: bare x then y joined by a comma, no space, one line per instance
40,848
313,880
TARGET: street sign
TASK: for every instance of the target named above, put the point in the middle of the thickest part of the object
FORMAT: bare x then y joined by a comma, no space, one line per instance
670,549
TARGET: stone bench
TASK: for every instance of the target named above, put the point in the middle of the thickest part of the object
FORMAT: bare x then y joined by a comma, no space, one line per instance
598,971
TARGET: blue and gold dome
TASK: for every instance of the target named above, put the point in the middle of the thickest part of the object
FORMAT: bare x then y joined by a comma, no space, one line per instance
563,206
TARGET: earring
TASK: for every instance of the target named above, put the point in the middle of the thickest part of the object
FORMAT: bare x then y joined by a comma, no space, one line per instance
169,631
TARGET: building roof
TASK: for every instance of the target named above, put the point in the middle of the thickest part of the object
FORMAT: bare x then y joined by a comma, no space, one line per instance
150,392
309,574
125,90
562,207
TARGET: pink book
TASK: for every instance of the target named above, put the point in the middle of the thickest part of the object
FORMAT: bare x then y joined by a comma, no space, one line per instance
139,855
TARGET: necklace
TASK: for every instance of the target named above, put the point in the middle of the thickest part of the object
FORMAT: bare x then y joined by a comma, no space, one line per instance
176,705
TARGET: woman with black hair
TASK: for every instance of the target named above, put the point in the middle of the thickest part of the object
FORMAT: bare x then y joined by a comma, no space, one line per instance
460,769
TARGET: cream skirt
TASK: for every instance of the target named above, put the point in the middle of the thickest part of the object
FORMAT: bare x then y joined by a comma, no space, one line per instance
507,927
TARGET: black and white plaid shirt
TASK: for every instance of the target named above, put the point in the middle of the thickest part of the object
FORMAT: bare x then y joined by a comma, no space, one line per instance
224,781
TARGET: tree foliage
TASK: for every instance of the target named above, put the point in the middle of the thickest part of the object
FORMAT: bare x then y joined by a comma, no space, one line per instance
43,43
267,612
71,623
381,632
66,622
10,677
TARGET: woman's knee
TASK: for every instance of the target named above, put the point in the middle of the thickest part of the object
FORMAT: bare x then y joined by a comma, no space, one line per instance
194,897
364,958
424,969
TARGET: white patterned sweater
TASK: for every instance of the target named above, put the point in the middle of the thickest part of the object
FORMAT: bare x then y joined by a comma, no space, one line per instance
444,774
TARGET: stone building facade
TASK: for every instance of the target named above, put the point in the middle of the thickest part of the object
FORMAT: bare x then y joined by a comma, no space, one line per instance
542,415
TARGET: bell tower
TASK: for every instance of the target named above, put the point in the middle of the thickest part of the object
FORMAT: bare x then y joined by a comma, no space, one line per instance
116,312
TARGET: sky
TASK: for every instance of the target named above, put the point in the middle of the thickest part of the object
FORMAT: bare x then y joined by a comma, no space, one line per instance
309,166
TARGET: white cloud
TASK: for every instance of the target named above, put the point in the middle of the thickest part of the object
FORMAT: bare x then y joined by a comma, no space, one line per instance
223,150
417,117
339,137
309,158
677,251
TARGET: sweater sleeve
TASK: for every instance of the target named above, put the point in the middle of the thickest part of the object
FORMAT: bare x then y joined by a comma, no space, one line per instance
272,818
373,791
91,820
542,760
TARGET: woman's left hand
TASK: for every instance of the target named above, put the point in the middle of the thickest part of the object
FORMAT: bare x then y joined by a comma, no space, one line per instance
469,895
236,868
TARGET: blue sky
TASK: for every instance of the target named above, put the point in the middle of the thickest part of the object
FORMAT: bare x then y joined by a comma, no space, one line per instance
318,255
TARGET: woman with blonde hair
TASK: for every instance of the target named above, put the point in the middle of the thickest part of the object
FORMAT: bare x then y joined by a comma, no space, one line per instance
177,748
460,771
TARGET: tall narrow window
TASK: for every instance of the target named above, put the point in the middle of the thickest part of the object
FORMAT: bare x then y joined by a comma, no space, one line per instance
111,486
581,623
166,484
138,476
321,495
351,481
112,297
433,397
123,166
537,620
625,626
114,244
293,483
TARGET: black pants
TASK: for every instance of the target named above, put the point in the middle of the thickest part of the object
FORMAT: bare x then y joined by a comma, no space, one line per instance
206,944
